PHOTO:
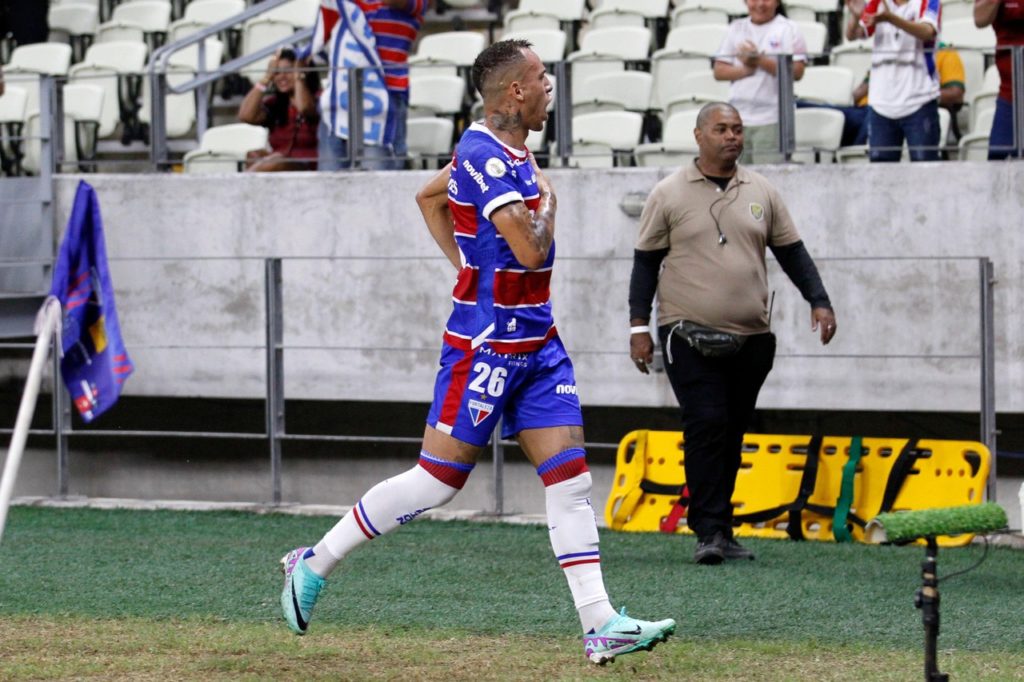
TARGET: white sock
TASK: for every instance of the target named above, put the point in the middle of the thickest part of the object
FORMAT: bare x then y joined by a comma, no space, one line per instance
388,505
573,532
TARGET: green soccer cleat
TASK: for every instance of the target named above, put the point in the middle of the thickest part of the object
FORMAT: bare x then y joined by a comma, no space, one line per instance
301,588
624,635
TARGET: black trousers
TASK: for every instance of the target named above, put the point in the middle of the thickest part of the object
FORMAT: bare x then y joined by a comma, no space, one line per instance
717,398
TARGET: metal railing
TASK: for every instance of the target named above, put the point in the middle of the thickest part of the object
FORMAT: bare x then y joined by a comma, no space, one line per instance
276,433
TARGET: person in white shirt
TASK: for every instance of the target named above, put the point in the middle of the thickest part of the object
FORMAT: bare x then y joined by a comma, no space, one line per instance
747,58
903,92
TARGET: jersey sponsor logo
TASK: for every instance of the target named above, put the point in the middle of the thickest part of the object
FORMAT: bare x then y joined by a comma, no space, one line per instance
479,411
757,211
565,389
476,175
495,167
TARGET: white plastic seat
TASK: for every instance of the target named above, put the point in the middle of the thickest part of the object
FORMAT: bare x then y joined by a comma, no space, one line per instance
735,8
259,32
800,11
651,9
565,10
188,56
627,42
856,153
548,44
855,56
436,95
117,68
454,47
815,35
180,109
703,39
83,102
962,33
152,16
120,31
826,85
619,90
430,139
688,49
605,135
604,17
691,15
52,59
31,162
223,148
694,91
818,133
585,65
974,71
297,13
981,103
202,13
12,122
76,23
678,144
974,147
530,20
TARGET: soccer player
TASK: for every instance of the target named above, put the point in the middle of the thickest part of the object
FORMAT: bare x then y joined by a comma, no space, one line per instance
492,213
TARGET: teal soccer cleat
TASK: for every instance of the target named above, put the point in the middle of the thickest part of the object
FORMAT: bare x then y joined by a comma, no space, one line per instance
624,635
301,588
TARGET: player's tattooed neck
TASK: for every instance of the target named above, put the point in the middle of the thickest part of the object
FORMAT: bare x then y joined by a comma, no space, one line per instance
506,122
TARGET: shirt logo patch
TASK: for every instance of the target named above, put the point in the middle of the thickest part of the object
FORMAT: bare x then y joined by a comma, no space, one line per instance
757,211
479,411
495,167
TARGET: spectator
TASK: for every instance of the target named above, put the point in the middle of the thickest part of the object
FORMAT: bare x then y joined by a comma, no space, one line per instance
395,24
284,101
747,58
904,87
703,235
1006,17
343,40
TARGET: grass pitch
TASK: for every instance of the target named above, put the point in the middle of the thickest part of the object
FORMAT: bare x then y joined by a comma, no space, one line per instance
88,594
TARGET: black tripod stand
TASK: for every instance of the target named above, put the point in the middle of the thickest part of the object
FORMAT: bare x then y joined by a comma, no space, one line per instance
927,599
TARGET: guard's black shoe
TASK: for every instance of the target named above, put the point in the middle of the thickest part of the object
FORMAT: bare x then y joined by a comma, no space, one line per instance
710,551
734,550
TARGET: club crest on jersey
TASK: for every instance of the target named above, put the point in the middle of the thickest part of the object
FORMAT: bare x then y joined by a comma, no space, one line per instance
511,326
479,411
757,211
495,167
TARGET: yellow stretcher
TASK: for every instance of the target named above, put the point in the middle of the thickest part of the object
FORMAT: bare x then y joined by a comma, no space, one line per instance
790,486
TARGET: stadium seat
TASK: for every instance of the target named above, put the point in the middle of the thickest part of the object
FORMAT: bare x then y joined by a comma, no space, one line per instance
180,108
436,95
694,91
117,68
857,153
801,12
605,138
734,8
297,13
565,10
430,140
698,14
818,133
31,161
677,145
12,122
75,24
452,47
83,102
223,148
202,13
826,85
627,42
614,91
119,31
152,16
974,147
604,17
688,49
530,20
855,55
961,34
815,35
981,103
259,32
52,59
651,9
702,39
548,44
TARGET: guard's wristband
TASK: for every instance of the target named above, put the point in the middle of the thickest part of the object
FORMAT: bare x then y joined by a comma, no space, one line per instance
640,329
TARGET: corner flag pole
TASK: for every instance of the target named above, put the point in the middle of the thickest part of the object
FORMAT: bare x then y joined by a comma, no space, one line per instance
46,325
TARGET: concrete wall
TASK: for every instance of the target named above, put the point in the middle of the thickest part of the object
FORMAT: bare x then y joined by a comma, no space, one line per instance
366,292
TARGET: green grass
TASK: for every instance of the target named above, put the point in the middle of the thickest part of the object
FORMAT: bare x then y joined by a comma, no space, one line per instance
179,595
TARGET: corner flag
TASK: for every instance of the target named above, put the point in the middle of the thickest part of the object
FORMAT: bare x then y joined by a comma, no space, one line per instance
95,363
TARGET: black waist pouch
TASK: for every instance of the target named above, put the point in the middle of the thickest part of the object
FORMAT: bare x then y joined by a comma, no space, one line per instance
711,343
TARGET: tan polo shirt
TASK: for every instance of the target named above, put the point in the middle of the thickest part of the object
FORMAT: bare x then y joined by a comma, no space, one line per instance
724,286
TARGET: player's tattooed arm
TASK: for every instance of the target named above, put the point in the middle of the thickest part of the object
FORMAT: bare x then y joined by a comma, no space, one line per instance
433,203
529,235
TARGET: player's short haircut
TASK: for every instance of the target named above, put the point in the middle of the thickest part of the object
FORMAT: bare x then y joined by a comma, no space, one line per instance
495,61
711,107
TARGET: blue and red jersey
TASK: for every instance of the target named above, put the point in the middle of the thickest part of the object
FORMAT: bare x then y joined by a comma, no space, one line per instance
496,299
395,30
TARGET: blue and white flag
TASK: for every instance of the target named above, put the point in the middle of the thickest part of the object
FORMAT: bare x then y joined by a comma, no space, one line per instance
342,38
95,363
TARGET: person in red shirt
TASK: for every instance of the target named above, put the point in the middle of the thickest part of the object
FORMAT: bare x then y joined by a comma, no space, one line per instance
1007,18
284,101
